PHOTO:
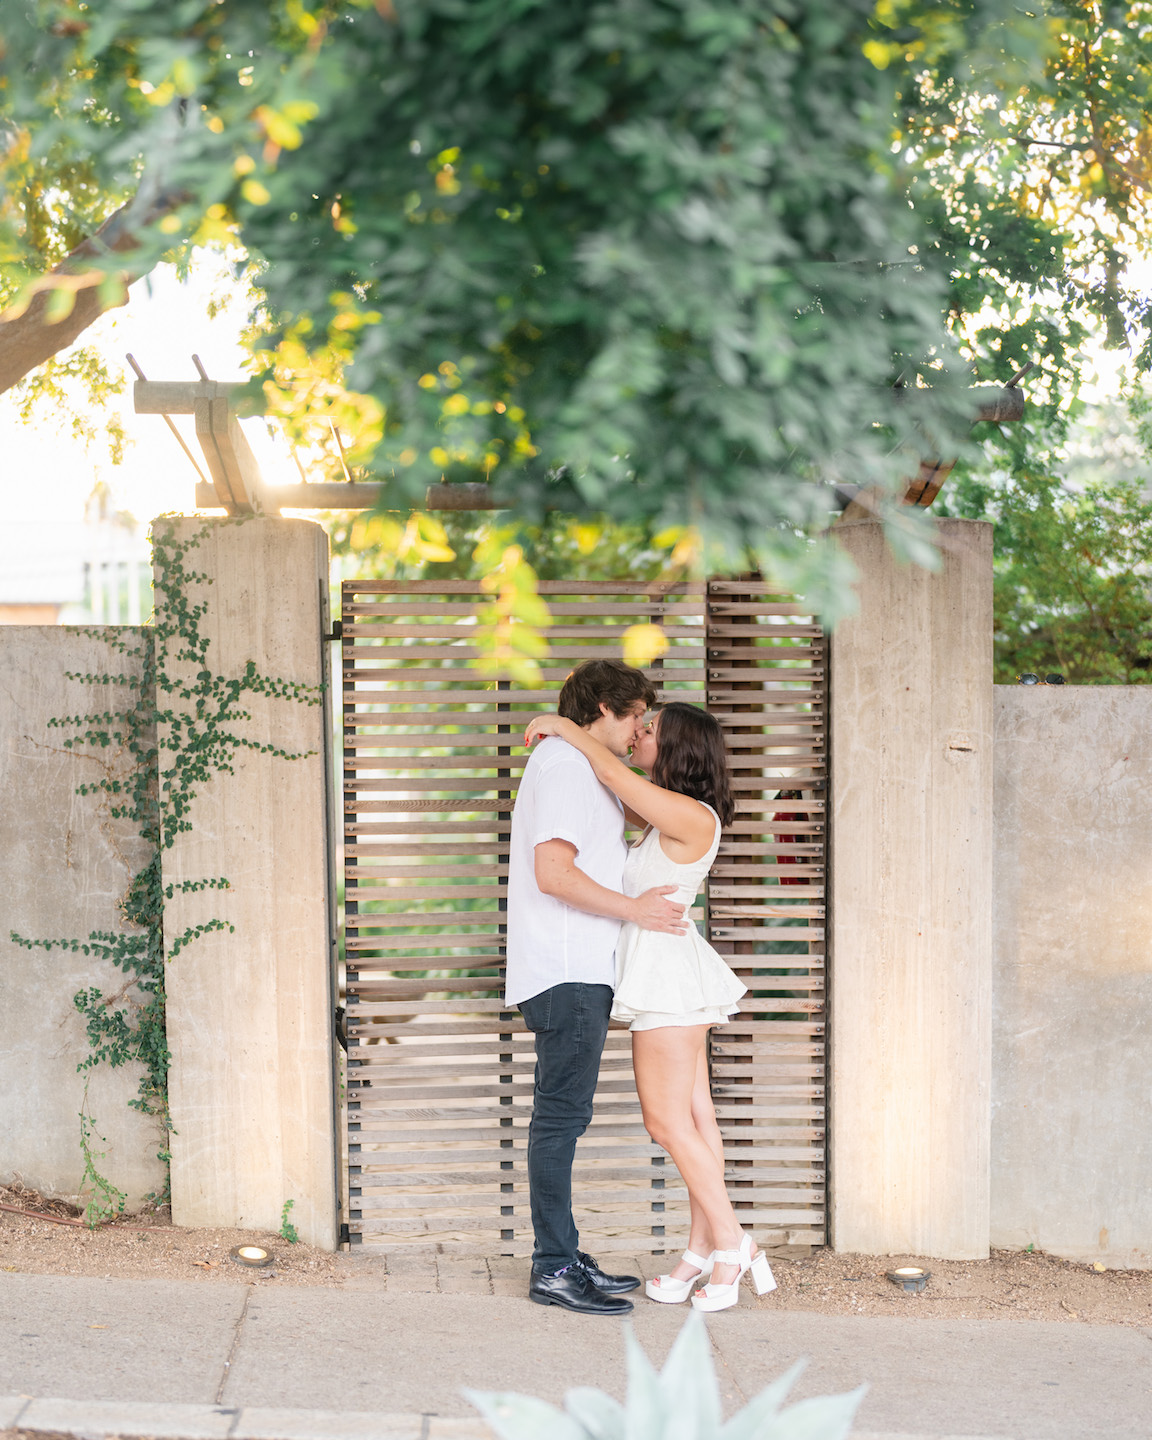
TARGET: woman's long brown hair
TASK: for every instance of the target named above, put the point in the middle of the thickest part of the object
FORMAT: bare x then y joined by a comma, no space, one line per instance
690,758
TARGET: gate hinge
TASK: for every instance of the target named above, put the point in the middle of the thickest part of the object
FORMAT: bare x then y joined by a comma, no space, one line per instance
341,1025
337,631
345,1234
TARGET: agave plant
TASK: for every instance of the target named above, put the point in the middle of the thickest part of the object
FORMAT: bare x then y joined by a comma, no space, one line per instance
681,1403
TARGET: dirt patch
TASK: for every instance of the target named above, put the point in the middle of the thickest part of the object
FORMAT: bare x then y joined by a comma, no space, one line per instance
52,1240
1011,1285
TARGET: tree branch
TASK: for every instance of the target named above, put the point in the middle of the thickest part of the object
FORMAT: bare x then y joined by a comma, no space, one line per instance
28,337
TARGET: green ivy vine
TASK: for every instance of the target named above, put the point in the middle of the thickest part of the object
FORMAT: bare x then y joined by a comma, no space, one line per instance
181,729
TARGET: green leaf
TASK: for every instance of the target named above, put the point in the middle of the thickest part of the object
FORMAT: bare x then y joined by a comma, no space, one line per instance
688,1382
599,1415
752,1422
521,1417
827,1417
645,1411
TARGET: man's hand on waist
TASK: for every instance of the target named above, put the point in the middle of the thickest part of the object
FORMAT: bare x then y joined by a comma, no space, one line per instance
653,911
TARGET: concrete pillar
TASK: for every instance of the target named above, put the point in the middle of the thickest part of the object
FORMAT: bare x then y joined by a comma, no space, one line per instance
911,901
250,1009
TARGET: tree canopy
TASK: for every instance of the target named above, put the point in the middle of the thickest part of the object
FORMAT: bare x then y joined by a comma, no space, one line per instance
663,260
1072,580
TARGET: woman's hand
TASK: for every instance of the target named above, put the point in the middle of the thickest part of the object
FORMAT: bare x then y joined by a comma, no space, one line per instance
541,725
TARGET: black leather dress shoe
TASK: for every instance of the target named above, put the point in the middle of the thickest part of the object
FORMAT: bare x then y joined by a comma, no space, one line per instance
607,1284
573,1289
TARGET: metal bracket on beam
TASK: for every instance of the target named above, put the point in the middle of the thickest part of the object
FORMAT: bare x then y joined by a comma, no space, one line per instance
1002,404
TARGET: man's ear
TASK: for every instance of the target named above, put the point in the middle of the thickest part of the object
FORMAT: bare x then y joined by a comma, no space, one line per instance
605,712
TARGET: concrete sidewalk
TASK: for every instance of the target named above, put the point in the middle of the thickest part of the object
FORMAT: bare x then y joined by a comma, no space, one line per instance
181,1360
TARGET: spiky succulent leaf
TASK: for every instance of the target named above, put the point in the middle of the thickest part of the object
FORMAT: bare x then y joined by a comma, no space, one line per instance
601,1416
682,1403
688,1381
523,1417
826,1417
752,1422
644,1412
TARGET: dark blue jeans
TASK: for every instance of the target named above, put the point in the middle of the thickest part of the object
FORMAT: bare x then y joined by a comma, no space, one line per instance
570,1022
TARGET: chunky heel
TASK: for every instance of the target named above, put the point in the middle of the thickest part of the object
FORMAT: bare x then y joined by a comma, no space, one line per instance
722,1297
762,1276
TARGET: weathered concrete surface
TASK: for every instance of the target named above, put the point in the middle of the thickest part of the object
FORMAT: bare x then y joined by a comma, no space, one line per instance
911,900
316,1355
250,1010
1072,1070
64,865
104,1339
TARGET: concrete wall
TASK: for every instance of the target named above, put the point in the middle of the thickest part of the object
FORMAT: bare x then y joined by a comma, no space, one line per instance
910,889
250,1011
1072,1079
64,864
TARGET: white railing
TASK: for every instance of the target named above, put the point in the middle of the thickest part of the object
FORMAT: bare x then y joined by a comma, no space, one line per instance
117,586
90,573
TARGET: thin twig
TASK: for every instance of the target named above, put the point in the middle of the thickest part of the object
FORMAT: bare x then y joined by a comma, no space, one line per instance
340,447
69,1220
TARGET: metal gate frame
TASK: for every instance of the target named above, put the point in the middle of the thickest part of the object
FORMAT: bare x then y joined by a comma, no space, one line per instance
439,1073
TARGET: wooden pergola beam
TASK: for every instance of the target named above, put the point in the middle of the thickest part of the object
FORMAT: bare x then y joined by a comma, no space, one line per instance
238,486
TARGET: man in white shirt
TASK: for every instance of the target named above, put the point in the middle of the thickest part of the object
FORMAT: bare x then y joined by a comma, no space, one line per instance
565,909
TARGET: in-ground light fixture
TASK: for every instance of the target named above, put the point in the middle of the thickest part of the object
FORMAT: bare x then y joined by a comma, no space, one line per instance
252,1255
909,1277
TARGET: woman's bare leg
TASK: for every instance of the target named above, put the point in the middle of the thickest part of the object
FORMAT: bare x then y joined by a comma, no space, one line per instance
703,1111
700,1240
672,1081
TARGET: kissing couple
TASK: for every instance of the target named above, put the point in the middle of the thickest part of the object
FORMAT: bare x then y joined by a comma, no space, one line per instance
598,930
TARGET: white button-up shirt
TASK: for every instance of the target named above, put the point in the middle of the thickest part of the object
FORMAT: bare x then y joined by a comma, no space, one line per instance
550,943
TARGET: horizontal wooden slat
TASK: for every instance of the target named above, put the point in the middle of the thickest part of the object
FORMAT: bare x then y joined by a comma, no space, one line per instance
397,660
767,628
356,612
406,639
412,849
406,1170
496,824
486,764
544,699
442,784
417,807
478,1023
616,1245
657,588
446,1228
416,1127
389,921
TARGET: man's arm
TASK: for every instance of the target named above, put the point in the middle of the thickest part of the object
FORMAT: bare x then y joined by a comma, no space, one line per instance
558,875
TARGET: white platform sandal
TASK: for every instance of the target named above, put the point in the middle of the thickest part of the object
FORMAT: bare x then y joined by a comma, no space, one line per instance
721,1297
673,1292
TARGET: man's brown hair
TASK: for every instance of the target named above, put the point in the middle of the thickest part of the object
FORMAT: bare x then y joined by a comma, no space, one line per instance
603,682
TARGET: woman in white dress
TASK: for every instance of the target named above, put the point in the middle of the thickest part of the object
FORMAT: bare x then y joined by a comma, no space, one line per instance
673,988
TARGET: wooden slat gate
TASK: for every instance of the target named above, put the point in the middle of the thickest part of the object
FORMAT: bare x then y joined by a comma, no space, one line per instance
440,1074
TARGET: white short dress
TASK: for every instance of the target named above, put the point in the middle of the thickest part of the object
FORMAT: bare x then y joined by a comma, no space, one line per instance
670,979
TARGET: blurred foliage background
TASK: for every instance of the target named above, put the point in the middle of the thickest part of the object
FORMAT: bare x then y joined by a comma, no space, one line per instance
656,271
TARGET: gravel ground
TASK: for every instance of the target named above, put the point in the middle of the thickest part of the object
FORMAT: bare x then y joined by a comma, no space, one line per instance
1009,1285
